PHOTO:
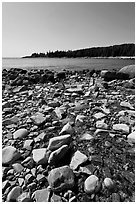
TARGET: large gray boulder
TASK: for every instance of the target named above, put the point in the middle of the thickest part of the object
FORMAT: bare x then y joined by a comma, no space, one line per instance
61,178
130,70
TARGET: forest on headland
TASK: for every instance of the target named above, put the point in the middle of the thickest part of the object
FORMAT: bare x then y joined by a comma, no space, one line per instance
127,50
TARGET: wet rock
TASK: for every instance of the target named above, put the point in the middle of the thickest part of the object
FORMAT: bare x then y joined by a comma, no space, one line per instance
9,155
57,142
40,156
58,154
61,178
90,184
77,159
21,133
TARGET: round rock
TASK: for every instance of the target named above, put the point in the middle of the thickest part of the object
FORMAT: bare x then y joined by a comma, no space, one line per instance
14,194
91,183
21,133
9,155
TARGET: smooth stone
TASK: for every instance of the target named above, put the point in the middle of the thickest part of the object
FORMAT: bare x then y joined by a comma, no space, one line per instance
77,159
58,154
75,90
40,156
130,70
108,183
90,184
57,142
41,195
131,137
17,167
21,181
9,155
67,129
21,133
14,194
5,184
121,127
61,178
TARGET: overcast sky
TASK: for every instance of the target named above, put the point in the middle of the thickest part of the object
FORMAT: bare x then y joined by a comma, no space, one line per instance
40,27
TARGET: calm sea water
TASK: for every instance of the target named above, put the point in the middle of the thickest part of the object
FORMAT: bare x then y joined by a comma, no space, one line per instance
65,63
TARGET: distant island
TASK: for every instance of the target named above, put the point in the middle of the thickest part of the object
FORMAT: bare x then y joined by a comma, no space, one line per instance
126,50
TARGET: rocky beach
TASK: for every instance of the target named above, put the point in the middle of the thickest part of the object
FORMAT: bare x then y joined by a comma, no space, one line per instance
68,136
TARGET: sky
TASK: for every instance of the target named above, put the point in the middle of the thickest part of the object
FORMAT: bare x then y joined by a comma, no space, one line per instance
40,27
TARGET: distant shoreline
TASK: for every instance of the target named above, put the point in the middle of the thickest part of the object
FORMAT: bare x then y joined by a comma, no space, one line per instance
122,57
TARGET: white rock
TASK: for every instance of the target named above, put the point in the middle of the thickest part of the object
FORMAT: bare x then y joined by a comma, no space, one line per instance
121,127
77,159
40,156
131,137
67,129
60,111
91,183
108,183
57,142
80,118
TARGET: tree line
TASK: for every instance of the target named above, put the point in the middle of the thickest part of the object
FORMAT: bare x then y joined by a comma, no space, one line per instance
127,50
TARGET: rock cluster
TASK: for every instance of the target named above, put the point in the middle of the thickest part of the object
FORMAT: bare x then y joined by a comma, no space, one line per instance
67,137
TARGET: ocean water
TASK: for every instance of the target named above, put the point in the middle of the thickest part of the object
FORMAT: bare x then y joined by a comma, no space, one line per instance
59,64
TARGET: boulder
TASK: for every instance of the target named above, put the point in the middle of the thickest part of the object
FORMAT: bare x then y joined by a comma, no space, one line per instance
58,154
61,178
129,70
9,155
